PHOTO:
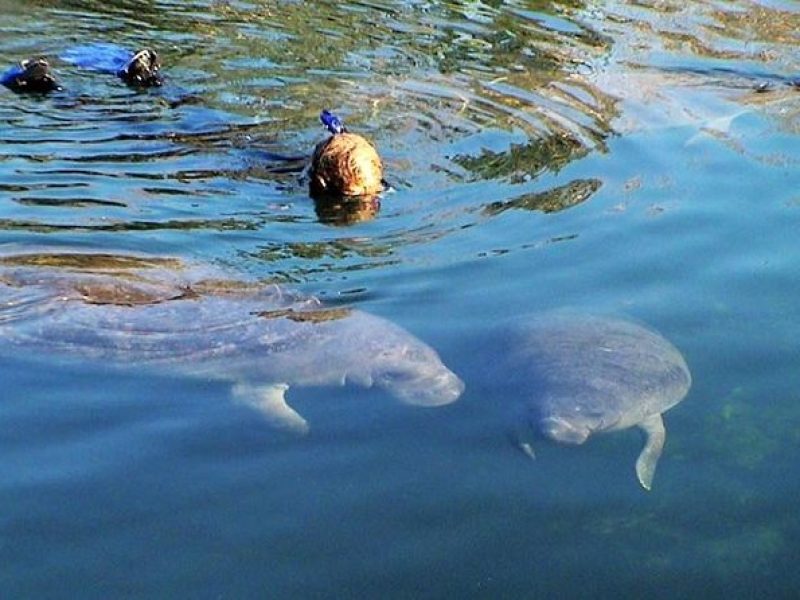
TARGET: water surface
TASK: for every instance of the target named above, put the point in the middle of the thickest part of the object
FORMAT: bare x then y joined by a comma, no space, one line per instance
630,157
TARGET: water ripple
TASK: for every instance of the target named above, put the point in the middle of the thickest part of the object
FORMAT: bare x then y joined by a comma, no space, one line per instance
475,107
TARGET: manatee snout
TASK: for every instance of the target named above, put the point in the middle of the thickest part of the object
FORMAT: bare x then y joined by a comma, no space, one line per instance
379,353
561,430
418,377
425,389
420,384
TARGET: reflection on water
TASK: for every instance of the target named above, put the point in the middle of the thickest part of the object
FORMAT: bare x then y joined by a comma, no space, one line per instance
553,200
346,211
522,163
634,157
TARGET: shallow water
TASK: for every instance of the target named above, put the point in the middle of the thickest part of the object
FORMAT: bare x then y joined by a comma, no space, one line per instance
606,156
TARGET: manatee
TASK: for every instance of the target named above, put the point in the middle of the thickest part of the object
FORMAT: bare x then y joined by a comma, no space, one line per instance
581,374
143,313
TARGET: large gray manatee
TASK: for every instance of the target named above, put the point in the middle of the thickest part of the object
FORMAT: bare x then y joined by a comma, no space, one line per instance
581,374
141,313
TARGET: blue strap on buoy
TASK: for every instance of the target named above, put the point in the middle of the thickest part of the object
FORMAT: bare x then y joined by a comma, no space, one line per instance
332,122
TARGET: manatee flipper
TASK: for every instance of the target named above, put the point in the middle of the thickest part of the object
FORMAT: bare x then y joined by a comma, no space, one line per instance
270,402
521,437
653,427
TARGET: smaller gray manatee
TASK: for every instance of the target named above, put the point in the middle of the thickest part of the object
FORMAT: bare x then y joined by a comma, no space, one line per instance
581,374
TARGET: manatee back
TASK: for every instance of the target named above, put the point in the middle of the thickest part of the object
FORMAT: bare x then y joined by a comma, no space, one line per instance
170,329
613,371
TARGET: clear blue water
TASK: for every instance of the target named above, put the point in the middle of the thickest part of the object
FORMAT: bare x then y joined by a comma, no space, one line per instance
610,157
